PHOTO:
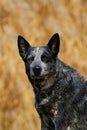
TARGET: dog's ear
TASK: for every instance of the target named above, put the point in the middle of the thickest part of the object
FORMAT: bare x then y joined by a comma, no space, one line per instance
23,46
54,44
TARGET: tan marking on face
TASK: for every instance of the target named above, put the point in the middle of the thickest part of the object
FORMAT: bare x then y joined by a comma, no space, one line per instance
48,82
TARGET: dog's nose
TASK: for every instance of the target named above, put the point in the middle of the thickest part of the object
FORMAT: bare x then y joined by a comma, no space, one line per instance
37,70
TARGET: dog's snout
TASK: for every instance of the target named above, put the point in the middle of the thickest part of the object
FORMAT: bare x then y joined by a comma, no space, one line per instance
37,70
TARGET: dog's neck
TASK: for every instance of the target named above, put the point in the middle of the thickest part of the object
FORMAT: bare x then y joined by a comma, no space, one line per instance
43,95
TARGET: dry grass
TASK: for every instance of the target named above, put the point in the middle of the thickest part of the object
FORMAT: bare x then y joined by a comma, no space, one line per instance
37,21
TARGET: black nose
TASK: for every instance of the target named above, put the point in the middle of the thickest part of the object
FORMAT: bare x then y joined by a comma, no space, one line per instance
37,70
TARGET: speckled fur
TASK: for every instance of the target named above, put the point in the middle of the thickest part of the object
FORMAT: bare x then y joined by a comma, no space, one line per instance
62,105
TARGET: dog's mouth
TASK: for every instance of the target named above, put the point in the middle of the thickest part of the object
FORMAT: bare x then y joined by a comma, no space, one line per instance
38,78
42,82
38,82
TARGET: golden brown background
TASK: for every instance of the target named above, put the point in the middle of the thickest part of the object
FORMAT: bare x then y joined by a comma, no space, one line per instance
37,21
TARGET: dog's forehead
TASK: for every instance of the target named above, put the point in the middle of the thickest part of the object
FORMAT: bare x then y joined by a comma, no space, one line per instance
38,50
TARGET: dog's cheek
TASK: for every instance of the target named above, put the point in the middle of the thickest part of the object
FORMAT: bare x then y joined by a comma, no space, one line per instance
27,68
44,67
52,67
30,70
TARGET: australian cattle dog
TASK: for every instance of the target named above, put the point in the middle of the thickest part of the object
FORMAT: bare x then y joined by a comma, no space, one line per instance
60,92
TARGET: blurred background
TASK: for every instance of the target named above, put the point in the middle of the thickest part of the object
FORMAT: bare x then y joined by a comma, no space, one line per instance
37,21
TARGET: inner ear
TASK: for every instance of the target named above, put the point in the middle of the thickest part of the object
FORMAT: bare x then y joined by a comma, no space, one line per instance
54,44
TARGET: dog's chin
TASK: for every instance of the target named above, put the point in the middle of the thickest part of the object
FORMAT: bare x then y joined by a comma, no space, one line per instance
38,78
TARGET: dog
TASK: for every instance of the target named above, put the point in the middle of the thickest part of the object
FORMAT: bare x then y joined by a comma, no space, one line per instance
60,92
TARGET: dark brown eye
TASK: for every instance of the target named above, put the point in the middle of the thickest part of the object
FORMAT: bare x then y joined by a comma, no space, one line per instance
30,59
44,58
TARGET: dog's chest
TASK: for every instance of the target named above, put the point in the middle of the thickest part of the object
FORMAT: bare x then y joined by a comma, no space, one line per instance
47,109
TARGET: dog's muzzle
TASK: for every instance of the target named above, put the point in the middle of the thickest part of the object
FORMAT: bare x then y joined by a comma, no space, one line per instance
36,70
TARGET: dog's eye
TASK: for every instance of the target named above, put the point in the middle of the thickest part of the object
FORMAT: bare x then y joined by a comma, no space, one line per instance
30,59
44,58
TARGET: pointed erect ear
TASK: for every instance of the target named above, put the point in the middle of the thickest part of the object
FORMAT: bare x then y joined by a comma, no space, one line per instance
23,46
54,44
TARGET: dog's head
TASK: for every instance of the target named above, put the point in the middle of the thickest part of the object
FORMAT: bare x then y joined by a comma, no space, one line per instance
40,61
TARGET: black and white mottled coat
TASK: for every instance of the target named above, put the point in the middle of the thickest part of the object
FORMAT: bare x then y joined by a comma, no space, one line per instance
65,103
60,92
